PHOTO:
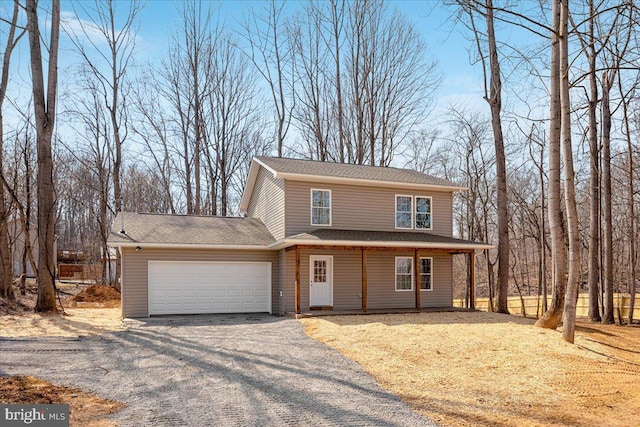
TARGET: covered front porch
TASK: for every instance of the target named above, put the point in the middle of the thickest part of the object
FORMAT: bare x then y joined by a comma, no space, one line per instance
371,290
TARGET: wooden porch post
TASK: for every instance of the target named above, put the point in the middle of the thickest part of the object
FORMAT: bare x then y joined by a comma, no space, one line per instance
297,287
364,280
472,279
416,273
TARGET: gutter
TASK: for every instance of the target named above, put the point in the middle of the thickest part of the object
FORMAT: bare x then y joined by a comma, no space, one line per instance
285,243
122,245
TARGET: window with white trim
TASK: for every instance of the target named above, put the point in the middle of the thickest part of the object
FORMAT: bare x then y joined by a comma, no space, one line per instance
404,273
320,207
426,274
423,213
404,211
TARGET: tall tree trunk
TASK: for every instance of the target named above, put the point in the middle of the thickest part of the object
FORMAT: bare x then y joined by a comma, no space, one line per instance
495,102
45,114
631,236
552,317
573,279
594,179
336,22
543,238
606,201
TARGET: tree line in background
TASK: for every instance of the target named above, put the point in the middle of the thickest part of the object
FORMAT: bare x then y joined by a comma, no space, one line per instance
551,171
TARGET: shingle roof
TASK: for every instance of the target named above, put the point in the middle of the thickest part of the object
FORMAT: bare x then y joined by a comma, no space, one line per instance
343,170
144,228
350,236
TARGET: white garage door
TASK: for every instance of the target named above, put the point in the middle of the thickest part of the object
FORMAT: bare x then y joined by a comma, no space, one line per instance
182,287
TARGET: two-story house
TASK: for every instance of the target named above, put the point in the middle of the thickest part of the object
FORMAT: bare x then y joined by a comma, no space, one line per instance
315,235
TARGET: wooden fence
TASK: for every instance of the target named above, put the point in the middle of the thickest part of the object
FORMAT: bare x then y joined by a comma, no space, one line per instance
533,305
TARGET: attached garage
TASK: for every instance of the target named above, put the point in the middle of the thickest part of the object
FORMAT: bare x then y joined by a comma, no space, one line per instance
192,287
189,264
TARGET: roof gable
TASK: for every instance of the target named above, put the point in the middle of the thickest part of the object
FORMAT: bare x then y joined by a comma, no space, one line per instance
341,173
312,168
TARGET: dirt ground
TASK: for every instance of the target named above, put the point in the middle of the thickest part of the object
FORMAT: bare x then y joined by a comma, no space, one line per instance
85,409
88,310
87,317
487,369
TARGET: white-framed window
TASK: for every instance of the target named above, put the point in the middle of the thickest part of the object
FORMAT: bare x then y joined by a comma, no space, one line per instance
404,273
320,207
423,213
426,274
404,211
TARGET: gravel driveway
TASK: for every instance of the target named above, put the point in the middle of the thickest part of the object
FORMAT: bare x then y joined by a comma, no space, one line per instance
227,370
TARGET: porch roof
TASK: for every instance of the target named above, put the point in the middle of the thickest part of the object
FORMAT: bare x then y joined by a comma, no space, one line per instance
397,239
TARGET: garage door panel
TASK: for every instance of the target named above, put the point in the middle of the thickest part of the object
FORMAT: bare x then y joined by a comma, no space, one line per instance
208,287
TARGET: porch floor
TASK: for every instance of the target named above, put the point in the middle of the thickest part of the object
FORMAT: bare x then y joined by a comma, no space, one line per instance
323,313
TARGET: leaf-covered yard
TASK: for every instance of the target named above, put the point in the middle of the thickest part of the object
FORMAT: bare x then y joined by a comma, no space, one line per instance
494,370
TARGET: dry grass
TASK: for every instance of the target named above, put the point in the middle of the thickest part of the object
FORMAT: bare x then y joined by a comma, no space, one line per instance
86,409
470,369
77,322
88,310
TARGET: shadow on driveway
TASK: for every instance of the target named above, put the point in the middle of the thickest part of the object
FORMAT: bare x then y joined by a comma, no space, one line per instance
221,370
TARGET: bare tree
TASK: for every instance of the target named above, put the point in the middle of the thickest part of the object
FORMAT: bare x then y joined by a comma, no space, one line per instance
592,51
630,197
233,117
271,55
552,317
607,273
44,104
110,67
573,278
388,81
493,96
92,152
153,124
6,264
618,41
336,18
186,81
18,180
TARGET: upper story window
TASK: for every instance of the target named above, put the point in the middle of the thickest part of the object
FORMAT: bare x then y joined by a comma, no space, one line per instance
320,207
404,211
423,213
413,212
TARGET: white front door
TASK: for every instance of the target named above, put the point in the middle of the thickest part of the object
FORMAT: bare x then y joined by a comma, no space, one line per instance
320,280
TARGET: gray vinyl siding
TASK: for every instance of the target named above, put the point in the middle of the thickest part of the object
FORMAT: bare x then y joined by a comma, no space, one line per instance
442,282
267,202
135,271
381,291
361,208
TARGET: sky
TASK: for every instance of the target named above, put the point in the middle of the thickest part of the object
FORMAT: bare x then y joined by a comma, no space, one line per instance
160,19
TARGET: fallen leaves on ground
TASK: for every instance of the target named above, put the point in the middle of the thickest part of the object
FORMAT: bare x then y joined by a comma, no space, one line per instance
86,409
488,369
